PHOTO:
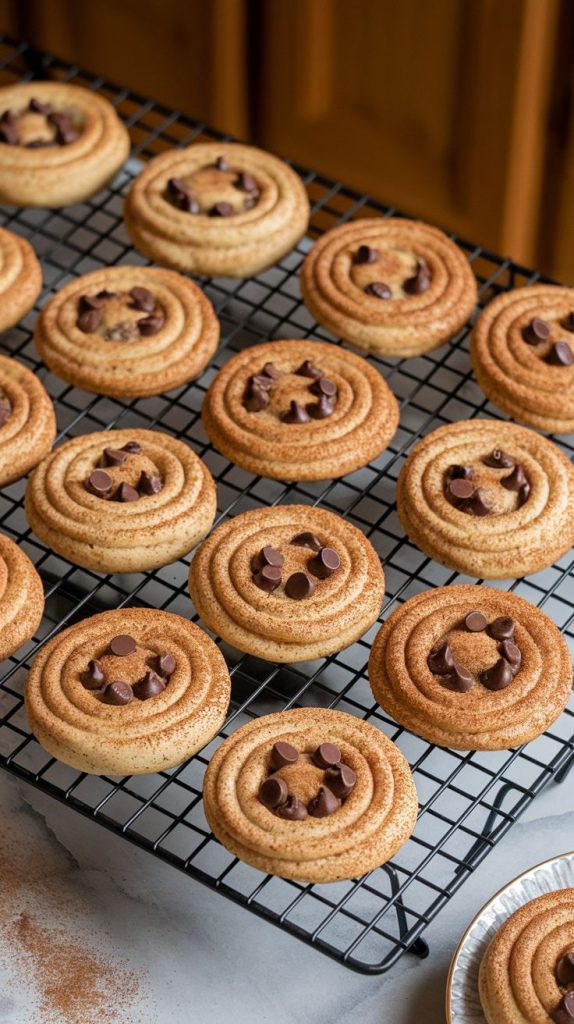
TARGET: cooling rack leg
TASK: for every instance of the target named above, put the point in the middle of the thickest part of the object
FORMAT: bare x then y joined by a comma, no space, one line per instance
419,947
565,770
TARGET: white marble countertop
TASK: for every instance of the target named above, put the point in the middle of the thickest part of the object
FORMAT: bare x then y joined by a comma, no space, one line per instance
199,957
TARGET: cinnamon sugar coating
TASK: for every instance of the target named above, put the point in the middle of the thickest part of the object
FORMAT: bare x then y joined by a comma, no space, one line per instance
20,278
28,433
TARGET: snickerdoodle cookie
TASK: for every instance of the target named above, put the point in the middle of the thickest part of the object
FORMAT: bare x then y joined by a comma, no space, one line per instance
471,668
287,583
488,498
390,286
20,278
128,331
522,352
121,500
58,143
217,208
21,597
299,410
310,794
127,692
27,420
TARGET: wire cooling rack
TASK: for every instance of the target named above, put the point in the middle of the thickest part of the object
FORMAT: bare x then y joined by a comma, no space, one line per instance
468,801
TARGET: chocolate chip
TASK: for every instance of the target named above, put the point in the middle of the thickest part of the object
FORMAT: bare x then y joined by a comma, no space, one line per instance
65,132
149,686
523,494
149,483
166,664
273,792
441,661
341,780
292,810
271,371
221,210
365,254
256,400
89,320
132,447
149,325
94,678
299,586
308,370
37,107
461,472
323,386
475,622
567,322
268,578
113,457
5,410
565,969
245,182
458,679
99,483
306,540
122,645
324,804
324,564
511,653
9,129
105,294
327,755
181,196
92,301
560,354
126,492
322,409
502,628
515,480
117,693
142,299
221,164
267,556
536,331
498,459
419,282
261,382
564,1012
283,754
379,289
499,676
478,505
295,414
460,488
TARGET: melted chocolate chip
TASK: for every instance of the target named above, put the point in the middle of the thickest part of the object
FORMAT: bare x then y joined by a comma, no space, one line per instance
256,400
322,409
461,472
458,679
511,653
478,505
273,792
150,325
271,371
283,754
341,780
461,488
567,321
65,131
499,676
564,1012
89,320
268,578
142,299
498,459
515,480
5,410
292,810
324,564
221,164
99,483
122,645
565,969
126,492
536,331
308,370
246,182
93,301
181,196
132,447
502,628
324,804
306,540
441,661
295,414
323,386
149,686
365,254
379,289
560,354
37,107
94,678
420,281
299,586
149,483
113,457
475,622
221,210
166,664
261,381
117,694
9,129
327,755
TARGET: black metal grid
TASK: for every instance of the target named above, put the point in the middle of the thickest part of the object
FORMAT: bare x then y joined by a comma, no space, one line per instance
468,801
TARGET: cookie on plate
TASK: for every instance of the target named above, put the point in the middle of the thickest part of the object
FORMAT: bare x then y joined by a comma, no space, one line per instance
310,794
127,692
390,286
522,352
299,410
287,583
121,500
488,498
20,278
21,597
59,144
128,331
527,973
27,420
217,208
471,668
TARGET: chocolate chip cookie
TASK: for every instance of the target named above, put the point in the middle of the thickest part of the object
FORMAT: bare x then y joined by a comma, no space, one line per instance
471,668
27,420
390,286
127,692
299,410
287,583
310,794
21,597
121,500
20,278
59,144
522,352
217,208
488,498
128,331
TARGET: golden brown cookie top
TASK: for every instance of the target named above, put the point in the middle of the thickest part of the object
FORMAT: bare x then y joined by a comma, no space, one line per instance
27,420
21,597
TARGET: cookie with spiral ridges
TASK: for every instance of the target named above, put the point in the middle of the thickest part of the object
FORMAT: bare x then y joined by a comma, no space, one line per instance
488,498
121,500
299,410
128,331
390,286
527,975
127,692
27,420
277,797
471,668
217,208
59,144
21,597
287,583
20,278
522,352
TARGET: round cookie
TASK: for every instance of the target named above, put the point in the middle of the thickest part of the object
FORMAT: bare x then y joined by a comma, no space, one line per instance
522,352
59,144
488,498
20,278
127,331
390,286
21,597
27,420
217,208
121,500
527,975
471,668
126,692
287,583
299,410
310,794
